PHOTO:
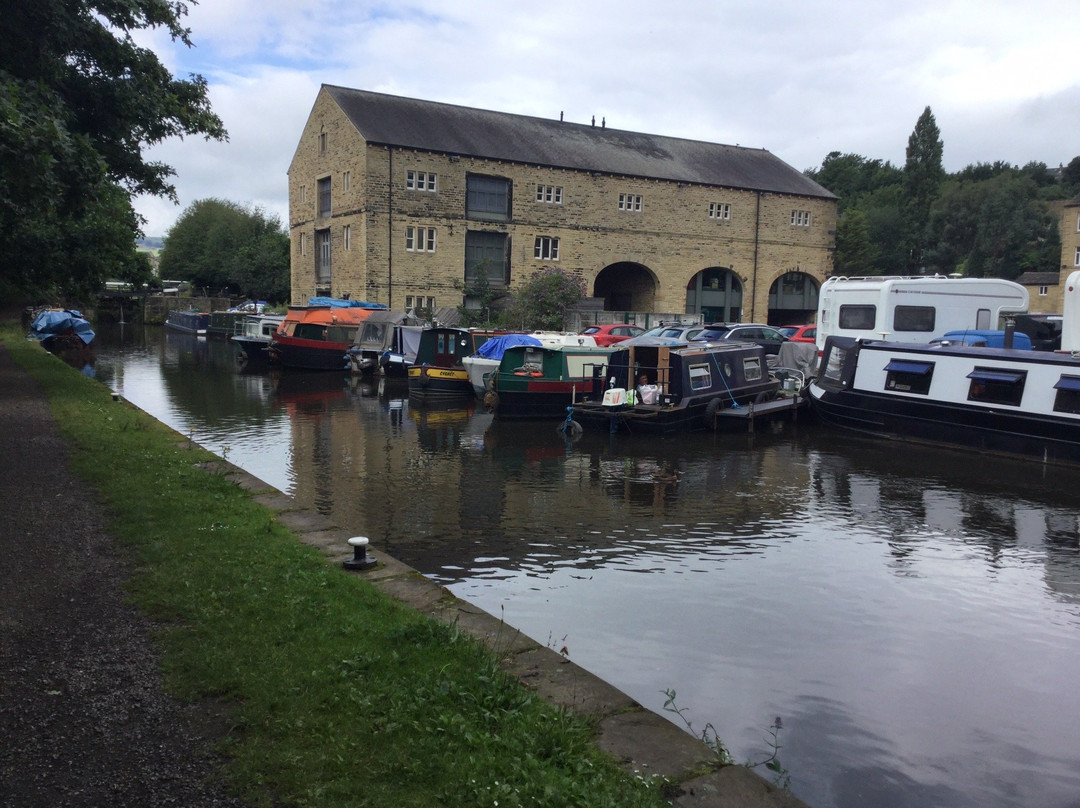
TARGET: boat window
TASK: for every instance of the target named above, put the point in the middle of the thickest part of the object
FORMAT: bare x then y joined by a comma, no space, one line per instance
752,368
997,386
1068,394
341,333
834,362
914,318
580,366
700,377
905,376
534,356
857,317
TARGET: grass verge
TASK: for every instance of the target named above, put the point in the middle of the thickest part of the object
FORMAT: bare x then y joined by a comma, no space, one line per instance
338,695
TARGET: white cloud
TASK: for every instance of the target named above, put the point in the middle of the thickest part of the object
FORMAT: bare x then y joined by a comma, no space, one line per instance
799,79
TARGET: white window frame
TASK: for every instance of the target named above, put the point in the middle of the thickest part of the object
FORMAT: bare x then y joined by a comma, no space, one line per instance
346,237
546,248
1076,260
303,193
549,194
630,203
303,243
420,239
346,180
421,180
800,218
1044,291
720,210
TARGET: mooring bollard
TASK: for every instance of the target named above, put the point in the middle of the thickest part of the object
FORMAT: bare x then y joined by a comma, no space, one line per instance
360,559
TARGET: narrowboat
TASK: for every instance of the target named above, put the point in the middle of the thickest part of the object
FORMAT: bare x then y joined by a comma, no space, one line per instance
482,365
662,386
253,337
437,373
189,321
224,324
1008,401
541,381
384,345
318,335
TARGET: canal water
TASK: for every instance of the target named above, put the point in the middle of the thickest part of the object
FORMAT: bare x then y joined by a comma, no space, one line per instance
911,615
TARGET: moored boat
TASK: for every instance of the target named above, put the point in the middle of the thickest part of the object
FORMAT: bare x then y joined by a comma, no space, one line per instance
318,336
55,328
488,356
188,321
253,338
541,381
382,344
998,400
662,386
224,324
438,373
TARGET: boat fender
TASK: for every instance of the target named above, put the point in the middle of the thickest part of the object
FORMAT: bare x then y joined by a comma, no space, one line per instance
711,410
491,400
570,428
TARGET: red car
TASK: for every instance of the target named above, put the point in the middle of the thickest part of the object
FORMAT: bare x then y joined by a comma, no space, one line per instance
799,333
610,333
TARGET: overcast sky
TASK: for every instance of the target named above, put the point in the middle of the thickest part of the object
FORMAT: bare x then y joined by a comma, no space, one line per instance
800,79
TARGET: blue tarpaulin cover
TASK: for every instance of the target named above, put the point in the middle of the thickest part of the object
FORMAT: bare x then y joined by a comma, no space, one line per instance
495,347
338,303
52,322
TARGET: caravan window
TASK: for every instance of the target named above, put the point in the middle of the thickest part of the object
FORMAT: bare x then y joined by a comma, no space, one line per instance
858,318
913,318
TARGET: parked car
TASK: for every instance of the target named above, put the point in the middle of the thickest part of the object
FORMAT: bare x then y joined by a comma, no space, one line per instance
679,332
799,333
765,335
610,333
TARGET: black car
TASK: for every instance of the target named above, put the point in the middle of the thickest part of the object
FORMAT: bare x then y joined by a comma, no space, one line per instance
765,335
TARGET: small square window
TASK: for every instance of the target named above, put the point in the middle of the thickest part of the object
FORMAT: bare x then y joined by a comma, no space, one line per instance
905,376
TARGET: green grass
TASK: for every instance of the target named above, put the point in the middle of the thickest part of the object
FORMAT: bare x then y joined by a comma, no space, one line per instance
336,694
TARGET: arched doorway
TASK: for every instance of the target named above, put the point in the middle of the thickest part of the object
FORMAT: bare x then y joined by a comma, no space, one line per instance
716,294
793,299
626,286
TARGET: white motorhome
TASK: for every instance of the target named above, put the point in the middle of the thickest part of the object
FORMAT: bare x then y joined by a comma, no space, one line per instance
914,309
1070,320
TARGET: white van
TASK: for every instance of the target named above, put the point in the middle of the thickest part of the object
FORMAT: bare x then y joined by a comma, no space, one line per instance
914,309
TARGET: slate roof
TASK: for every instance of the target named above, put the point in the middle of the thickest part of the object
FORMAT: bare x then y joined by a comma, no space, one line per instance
1039,279
432,126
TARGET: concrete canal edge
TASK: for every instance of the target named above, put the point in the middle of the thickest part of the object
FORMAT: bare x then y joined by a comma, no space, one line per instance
641,740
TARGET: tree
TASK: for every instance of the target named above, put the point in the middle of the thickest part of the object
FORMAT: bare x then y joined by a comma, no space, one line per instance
855,252
923,175
79,101
218,245
541,303
851,176
1070,176
994,228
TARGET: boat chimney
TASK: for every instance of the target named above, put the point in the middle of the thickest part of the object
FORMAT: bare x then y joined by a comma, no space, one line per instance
1010,330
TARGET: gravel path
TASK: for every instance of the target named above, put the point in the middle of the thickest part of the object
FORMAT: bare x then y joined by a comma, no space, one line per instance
84,720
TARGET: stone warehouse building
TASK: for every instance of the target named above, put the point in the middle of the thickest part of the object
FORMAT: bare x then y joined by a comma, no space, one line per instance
406,202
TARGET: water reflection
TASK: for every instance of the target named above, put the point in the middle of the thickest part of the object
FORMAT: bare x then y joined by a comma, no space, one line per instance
912,615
